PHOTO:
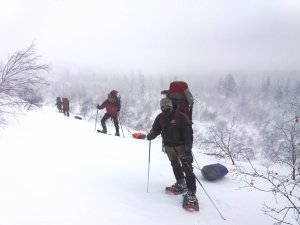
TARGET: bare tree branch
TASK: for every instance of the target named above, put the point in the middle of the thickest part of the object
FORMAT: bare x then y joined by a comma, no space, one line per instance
227,143
288,208
19,77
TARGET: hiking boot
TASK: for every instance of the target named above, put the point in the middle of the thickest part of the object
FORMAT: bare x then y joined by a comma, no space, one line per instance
104,130
117,133
178,188
190,197
190,201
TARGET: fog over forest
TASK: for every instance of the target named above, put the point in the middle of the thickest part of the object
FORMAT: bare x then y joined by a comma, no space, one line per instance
250,103
236,117
256,114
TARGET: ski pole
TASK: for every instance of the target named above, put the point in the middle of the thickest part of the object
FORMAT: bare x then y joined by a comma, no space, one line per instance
197,167
96,120
210,198
206,192
121,126
129,131
148,166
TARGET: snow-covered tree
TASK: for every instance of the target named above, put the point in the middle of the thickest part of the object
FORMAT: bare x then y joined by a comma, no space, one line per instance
228,86
281,139
225,140
20,78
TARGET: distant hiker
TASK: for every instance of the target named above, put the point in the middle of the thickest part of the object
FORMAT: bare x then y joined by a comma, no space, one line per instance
66,107
113,106
59,104
182,98
177,134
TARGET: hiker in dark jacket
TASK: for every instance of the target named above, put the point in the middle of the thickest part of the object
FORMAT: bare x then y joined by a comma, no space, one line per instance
177,134
113,106
66,106
59,104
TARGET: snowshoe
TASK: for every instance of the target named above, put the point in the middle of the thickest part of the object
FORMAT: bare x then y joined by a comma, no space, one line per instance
177,188
190,202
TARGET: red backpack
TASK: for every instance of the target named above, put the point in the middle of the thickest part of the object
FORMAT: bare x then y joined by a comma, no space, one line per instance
181,97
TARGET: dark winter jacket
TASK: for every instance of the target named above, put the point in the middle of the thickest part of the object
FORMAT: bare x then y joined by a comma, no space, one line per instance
65,104
176,129
58,103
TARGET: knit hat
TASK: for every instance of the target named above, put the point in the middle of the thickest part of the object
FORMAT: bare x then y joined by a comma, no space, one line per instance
166,103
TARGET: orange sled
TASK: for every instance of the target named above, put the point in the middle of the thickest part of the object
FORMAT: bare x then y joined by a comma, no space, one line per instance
139,135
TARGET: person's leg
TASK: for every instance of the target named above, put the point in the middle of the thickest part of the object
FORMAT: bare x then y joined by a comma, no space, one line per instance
189,177
116,123
180,186
177,169
103,122
187,168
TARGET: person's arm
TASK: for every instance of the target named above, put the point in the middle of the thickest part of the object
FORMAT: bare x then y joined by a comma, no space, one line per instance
155,130
187,132
118,104
102,106
187,157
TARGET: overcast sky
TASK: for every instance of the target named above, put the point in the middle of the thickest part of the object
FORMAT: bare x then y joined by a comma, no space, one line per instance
156,36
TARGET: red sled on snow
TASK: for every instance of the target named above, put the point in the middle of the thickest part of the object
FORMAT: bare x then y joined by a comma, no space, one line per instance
138,135
181,97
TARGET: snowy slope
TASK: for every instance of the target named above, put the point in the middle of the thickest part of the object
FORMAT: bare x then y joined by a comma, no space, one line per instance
55,170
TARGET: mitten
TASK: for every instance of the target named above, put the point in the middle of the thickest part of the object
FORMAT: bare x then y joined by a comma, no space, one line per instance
149,136
187,157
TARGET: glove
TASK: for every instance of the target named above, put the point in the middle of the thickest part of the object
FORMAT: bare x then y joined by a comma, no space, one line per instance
187,157
98,106
149,137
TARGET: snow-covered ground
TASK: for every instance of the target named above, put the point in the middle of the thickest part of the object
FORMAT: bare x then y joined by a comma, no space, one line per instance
55,170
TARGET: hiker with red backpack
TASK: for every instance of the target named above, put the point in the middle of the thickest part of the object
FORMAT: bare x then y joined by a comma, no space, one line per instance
177,134
182,98
112,105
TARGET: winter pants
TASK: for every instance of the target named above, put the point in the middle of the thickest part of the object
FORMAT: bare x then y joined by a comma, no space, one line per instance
59,108
66,112
106,117
181,167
